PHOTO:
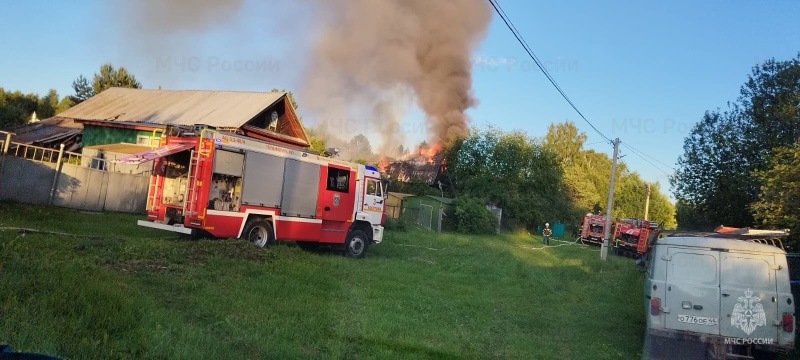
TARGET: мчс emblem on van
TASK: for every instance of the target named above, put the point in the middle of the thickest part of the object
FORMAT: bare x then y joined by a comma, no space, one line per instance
748,313
335,199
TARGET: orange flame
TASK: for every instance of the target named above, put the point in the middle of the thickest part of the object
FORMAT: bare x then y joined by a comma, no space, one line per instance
422,154
430,151
383,164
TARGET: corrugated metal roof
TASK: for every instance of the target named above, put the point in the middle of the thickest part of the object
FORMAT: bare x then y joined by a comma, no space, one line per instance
56,128
174,107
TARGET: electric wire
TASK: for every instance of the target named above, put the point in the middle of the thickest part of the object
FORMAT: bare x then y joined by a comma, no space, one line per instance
538,63
645,159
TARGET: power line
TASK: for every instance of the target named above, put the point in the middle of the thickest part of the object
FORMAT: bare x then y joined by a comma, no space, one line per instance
641,152
535,59
645,159
550,78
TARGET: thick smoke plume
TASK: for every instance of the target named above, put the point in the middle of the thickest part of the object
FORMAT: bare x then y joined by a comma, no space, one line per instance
367,49
367,60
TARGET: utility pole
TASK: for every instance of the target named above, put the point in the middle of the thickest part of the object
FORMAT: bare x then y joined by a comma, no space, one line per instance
647,202
607,228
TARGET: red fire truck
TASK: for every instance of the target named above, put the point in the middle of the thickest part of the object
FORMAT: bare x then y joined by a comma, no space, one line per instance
633,236
207,181
592,226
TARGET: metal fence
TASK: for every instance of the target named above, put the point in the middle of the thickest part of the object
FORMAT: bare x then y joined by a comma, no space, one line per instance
35,153
40,175
426,217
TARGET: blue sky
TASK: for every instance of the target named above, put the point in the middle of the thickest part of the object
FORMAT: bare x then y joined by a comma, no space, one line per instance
641,71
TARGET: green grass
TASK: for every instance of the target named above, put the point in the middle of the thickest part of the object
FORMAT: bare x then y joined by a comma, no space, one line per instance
138,293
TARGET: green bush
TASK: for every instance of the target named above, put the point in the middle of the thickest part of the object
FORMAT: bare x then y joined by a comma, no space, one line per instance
472,217
393,224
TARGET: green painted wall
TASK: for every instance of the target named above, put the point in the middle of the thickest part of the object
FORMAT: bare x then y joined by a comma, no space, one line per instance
101,135
414,202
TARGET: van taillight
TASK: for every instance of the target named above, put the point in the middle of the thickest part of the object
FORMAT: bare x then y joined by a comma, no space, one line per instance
655,306
788,322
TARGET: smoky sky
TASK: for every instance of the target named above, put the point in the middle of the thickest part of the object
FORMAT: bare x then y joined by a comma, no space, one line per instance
359,63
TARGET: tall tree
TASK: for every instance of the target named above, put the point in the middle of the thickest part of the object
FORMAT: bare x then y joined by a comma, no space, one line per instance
108,76
713,179
586,176
771,101
360,147
778,204
512,170
565,140
47,105
65,103
661,208
16,108
715,182
82,90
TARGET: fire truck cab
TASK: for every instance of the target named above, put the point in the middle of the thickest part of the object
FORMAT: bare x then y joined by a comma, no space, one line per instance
592,228
207,181
634,237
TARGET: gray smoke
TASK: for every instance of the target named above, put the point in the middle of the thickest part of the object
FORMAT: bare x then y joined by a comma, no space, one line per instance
366,61
167,16
366,49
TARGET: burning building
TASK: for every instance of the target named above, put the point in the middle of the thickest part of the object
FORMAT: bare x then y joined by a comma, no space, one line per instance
425,164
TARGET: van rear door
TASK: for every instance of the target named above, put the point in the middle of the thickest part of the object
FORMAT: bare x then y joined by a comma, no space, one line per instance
749,296
692,297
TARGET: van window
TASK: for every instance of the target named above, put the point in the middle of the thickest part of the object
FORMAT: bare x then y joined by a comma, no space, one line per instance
700,269
746,271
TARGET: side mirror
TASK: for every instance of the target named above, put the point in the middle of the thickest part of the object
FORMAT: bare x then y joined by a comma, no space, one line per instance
641,264
386,183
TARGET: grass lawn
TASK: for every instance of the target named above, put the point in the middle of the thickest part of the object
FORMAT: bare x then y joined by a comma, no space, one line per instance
132,292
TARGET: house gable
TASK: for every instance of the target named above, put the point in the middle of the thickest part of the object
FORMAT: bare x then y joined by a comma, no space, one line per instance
278,122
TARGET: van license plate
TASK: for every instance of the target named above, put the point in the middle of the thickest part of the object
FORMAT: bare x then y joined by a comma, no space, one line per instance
700,320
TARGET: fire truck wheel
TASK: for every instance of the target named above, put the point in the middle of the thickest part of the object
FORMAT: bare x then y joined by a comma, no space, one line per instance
258,231
356,244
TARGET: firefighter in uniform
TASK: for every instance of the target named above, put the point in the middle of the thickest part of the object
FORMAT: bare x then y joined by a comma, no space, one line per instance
546,233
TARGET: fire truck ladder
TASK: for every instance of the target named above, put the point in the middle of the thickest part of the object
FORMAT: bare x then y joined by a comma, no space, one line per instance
644,235
190,203
155,190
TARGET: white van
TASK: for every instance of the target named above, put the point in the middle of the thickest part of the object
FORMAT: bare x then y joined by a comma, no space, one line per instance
734,296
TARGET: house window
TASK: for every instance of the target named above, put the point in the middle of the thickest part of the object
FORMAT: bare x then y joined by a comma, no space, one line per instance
338,179
146,140
273,121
